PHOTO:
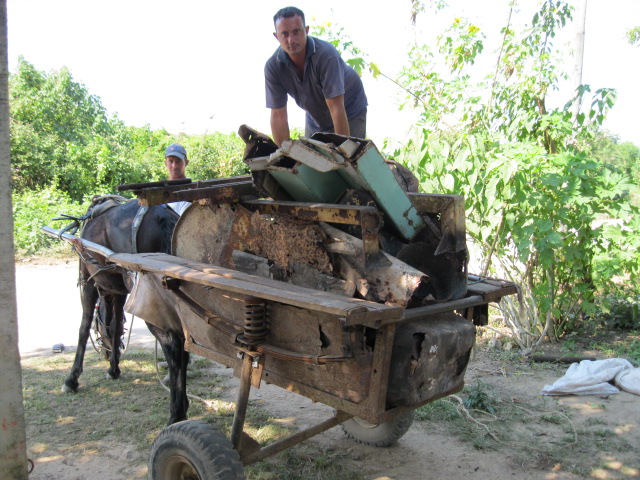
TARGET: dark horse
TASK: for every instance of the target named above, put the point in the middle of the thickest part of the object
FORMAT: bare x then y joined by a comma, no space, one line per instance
113,229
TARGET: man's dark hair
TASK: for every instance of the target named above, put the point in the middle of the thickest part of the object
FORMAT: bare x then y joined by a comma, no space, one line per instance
288,12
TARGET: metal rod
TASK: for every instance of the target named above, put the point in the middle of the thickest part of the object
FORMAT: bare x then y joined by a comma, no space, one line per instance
422,312
94,247
296,438
242,402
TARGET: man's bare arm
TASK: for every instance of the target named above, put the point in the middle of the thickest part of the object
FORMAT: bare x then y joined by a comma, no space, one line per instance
338,115
280,125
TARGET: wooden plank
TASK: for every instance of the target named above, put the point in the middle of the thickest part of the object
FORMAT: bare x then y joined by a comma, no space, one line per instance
218,277
490,289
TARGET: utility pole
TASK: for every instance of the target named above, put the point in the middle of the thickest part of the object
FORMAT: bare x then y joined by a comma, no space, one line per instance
580,19
13,443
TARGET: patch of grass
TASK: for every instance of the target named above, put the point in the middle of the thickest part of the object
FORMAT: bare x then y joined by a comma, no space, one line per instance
537,432
440,410
135,408
446,411
555,419
303,462
627,346
569,346
594,421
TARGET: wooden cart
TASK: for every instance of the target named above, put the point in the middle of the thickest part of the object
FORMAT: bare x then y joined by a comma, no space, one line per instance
374,362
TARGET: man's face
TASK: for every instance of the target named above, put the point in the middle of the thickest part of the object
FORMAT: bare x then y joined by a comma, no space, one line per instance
292,35
176,167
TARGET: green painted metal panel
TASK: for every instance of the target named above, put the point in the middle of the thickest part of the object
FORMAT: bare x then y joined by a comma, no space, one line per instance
366,170
380,182
309,185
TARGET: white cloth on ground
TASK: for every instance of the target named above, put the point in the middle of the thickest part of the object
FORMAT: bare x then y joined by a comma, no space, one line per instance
593,377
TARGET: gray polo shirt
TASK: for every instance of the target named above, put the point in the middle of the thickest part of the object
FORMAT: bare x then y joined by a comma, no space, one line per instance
326,75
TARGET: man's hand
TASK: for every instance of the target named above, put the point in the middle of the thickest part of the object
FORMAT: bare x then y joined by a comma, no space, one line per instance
338,115
280,125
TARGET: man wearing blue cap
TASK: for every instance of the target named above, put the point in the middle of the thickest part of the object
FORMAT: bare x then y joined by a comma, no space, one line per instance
176,161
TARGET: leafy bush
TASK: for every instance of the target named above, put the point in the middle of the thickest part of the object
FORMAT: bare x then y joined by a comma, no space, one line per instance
216,155
62,139
478,399
621,310
532,184
33,209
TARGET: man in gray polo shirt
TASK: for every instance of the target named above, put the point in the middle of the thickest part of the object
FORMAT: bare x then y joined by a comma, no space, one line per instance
313,73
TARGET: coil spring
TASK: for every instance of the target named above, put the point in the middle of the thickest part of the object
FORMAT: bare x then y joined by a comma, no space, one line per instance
255,320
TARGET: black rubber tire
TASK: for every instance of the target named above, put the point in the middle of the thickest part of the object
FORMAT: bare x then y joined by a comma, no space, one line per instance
193,450
382,435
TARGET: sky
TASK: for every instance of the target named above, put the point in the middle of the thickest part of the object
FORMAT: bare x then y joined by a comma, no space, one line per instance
196,66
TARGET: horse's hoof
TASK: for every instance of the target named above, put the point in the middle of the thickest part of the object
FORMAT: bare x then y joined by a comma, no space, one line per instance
110,376
67,389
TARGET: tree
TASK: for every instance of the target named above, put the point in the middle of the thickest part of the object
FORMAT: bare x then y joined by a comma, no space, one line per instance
532,188
61,136
13,442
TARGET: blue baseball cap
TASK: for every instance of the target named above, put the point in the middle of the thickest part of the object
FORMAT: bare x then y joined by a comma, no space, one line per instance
177,151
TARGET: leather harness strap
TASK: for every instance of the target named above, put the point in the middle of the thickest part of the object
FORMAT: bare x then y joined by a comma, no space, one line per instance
135,226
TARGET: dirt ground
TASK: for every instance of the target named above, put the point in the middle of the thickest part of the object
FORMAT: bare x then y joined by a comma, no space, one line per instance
429,450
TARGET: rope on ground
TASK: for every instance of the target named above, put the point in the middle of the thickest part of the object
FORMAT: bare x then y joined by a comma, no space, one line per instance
465,412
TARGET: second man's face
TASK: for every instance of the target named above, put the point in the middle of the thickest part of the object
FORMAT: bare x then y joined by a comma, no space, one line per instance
292,35
176,167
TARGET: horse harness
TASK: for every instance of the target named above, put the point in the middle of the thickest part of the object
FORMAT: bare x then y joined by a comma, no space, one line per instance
99,205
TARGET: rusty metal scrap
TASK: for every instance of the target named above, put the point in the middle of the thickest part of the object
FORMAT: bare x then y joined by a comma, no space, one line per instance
283,241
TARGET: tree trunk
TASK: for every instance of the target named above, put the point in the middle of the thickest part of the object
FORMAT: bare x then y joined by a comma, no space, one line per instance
13,451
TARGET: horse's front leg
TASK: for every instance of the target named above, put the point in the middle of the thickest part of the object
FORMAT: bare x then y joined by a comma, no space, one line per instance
116,330
177,357
88,296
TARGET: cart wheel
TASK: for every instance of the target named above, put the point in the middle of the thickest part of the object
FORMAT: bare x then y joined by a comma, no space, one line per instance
193,450
381,435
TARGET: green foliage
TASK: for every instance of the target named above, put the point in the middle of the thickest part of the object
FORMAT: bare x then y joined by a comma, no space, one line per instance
621,312
348,50
622,157
479,399
441,409
61,136
532,185
64,148
633,36
215,156
32,209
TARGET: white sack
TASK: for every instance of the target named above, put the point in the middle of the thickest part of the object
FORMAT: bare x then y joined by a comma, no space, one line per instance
589,377
629,380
